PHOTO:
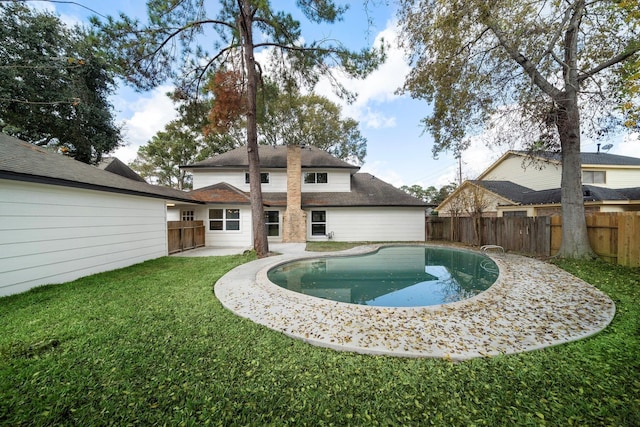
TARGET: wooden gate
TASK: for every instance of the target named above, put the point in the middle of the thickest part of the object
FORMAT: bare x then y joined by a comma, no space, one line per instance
185,235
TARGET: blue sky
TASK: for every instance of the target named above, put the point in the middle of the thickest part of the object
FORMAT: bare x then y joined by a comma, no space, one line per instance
397,149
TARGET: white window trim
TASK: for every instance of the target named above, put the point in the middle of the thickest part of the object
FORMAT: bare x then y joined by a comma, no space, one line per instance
592,173
262,174
312,222
315,178
279,223
187,215
225,220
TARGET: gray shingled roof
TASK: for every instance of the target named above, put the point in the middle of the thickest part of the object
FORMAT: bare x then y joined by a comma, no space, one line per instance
272,157
592,158
114,165
366,191
526,196
507,189
591,193
22,161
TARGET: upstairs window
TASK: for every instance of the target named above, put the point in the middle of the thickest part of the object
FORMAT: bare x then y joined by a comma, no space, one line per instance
594,177
264,177
315,178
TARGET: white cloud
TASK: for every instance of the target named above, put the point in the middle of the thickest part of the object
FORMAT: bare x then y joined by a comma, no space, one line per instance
384,172
629,146
378,87
149,114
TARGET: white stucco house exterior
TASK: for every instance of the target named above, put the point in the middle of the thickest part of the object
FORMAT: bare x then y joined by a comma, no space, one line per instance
306,188
61,219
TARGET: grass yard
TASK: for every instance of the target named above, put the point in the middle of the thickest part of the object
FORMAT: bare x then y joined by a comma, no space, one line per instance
150,344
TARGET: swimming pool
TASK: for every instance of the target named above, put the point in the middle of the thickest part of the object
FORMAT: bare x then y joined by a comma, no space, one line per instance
395,276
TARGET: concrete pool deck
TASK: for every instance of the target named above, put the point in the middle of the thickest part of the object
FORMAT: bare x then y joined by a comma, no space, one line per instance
532,305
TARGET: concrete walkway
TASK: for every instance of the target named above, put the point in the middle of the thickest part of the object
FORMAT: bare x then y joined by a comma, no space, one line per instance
281,248
532,305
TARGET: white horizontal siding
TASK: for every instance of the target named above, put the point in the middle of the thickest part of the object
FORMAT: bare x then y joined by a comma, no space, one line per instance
526,174
621,178
338,181
222,238
376,224
53,234
207,177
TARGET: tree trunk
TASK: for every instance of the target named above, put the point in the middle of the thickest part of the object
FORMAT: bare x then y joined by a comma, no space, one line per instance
575,240
260,241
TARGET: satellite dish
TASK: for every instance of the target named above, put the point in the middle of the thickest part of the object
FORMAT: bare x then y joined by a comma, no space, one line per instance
607,147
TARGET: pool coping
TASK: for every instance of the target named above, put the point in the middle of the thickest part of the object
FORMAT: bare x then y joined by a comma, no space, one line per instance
532,305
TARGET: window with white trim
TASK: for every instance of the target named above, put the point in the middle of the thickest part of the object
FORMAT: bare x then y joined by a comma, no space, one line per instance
224,219
594,177
272,222
187,215
264,178
318,223
316,177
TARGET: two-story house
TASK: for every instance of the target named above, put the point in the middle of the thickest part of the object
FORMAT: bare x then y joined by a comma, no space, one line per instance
520,185
308,195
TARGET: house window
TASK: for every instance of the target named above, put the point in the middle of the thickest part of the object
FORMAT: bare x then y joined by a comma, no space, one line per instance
224,219
594,177
515,214
316,178
318,223
264,177
272,222
187,216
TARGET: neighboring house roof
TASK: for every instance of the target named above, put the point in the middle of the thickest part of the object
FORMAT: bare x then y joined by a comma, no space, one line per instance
599,159
22,161
366,191
507,189
272,157
591,193
114,165
587,159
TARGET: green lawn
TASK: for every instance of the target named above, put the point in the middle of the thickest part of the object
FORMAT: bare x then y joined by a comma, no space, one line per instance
150,344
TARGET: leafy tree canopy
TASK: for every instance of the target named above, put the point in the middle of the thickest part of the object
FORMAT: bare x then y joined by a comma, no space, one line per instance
552,70
478,61
55,85
284,117
430,194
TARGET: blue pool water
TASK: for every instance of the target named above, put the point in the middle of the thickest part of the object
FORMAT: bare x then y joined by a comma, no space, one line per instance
397,276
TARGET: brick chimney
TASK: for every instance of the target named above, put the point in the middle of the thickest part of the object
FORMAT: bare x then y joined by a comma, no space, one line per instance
294,227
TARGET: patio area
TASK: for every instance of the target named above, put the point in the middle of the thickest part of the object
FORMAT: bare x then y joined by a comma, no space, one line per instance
532,305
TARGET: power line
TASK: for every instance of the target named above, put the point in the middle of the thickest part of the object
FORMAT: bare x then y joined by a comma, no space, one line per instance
60,2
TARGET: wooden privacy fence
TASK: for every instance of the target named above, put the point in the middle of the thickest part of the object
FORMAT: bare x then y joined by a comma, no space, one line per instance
520,234
185,235
614,236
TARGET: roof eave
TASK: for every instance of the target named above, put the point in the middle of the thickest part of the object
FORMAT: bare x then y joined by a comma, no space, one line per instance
38,179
